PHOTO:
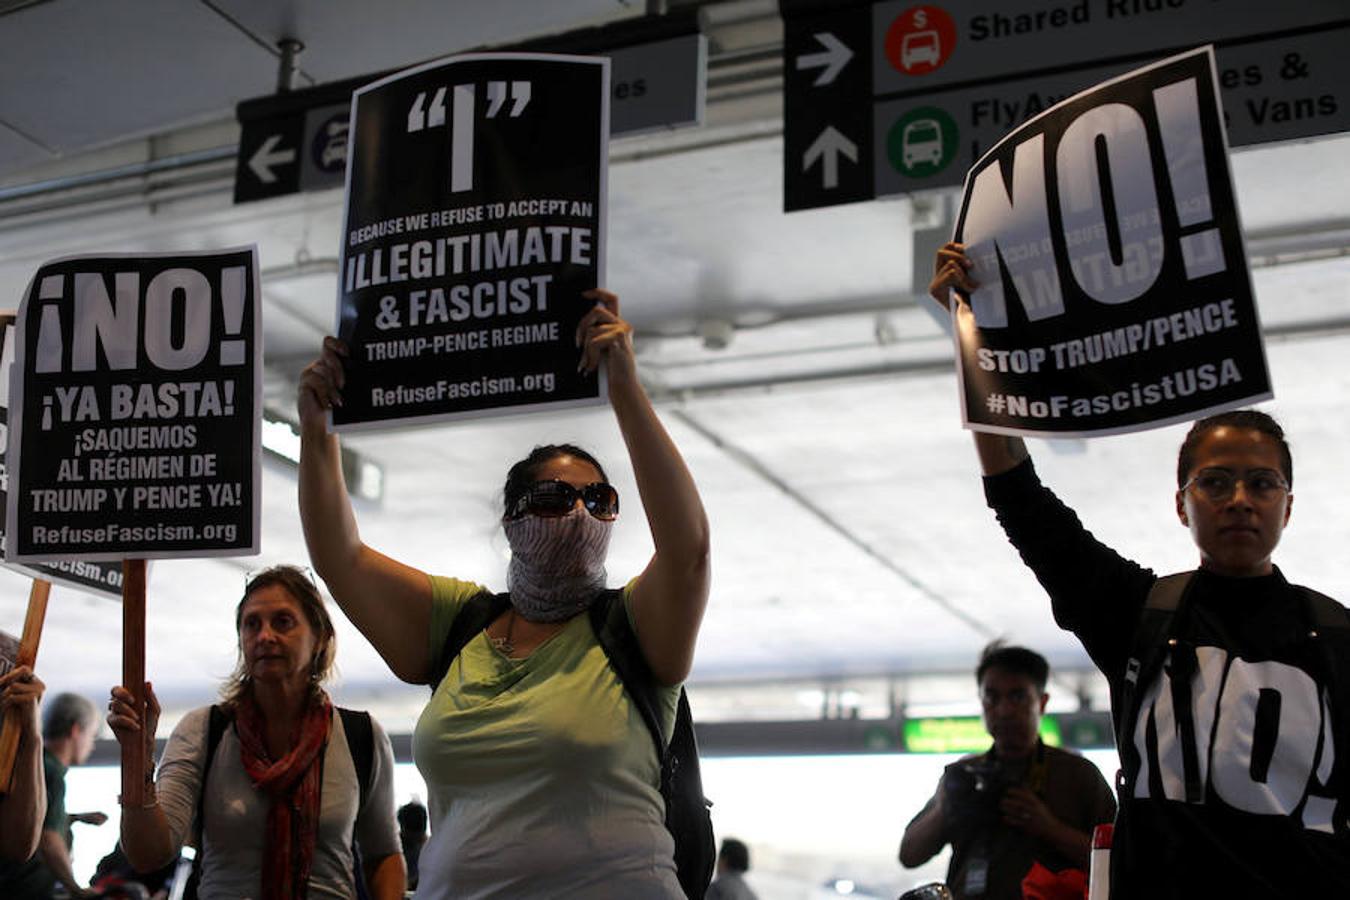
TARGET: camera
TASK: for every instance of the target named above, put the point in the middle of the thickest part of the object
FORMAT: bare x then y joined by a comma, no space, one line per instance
973,789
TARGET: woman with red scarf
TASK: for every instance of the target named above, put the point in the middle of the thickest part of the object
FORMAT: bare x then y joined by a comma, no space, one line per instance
281,806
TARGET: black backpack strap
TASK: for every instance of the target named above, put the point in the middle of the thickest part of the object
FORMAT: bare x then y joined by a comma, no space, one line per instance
1148,647
609,620
1326,614
360,736
687,816
477,613
361,744
1329,624
217,721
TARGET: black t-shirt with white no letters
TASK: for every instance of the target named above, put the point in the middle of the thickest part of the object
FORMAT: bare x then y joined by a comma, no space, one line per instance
1273,818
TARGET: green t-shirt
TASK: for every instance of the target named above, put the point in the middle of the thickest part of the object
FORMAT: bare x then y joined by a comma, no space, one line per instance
32,880
543,778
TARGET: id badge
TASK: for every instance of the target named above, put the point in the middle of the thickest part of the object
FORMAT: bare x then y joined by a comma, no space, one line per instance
977,877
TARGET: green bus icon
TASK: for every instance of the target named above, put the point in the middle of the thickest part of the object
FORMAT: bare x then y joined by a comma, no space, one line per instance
922,142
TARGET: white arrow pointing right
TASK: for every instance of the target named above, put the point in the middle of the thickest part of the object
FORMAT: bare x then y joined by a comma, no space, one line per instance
268,156
828,147
831,61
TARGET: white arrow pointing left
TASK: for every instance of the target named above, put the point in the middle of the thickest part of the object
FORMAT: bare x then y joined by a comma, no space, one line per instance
828,148
830,62
268,156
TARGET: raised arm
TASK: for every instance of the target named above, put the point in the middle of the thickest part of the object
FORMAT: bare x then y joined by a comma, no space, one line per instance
24,806
147,839
672,592
388,601
951,283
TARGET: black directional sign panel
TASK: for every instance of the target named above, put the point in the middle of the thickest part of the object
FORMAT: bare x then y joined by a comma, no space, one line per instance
267,162
297,141
827,135
293,142
896,96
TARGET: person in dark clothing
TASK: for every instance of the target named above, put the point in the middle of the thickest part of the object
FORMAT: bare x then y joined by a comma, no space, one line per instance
733,861
412,834
115,876
1235,779
69,726
1018,804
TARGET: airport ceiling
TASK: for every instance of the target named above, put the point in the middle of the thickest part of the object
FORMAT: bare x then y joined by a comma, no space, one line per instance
811,393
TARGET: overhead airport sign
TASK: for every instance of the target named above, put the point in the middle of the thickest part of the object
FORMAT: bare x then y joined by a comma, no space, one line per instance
944,82
1113,293
134,408
827,132
297,141
475,219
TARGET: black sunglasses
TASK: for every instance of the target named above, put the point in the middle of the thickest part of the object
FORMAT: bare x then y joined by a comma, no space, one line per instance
551,499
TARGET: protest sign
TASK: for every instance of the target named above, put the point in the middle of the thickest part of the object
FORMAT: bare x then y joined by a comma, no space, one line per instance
475,218
92,577
9,652
1113,290
134,409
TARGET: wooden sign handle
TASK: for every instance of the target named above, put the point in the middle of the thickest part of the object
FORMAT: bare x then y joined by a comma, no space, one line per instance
133,674
28,648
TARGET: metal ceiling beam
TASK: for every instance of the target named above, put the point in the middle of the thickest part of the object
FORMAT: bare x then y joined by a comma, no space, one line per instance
757,467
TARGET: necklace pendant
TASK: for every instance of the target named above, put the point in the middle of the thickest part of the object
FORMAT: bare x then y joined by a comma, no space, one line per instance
503,645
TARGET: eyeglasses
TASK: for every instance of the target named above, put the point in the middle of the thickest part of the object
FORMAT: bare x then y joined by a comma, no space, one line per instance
253,574
551,499
1219,485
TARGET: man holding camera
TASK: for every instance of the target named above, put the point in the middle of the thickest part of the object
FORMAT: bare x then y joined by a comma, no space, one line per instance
1018,804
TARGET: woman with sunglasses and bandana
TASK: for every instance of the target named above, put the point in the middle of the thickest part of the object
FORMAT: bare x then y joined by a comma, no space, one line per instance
542,776
268,784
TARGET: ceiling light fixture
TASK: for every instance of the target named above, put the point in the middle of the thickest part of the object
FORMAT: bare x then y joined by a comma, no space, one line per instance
281,442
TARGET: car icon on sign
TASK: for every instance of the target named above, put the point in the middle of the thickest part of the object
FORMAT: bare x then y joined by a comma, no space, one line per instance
335,145
920,47
921,142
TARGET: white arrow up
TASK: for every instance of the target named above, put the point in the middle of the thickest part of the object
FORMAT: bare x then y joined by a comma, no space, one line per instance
268,156
828,148
831,62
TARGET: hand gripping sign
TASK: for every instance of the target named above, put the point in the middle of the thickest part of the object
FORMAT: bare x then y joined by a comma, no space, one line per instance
20,652
475,219
134,409
1113,288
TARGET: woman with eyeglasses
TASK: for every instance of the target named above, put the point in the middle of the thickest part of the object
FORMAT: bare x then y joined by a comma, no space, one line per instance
276,788
1228,683
543,779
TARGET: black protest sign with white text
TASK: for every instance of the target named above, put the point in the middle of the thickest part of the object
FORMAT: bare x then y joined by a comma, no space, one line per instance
95,577
1113,287
134,409
474,222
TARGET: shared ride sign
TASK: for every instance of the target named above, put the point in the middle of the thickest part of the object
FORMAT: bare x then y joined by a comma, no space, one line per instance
896,97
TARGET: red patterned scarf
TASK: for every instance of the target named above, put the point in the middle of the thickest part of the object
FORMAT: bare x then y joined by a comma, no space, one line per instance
292,785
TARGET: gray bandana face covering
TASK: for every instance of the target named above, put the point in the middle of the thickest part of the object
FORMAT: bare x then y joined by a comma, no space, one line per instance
557,564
